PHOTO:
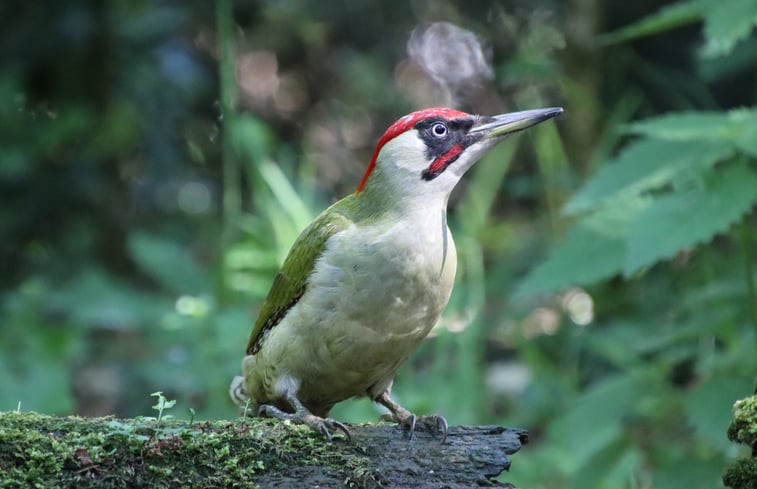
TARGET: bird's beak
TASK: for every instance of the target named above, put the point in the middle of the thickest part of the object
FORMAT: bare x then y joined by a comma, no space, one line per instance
501,125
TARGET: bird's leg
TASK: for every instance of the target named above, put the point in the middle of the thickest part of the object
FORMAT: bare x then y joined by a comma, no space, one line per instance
410,421
302,415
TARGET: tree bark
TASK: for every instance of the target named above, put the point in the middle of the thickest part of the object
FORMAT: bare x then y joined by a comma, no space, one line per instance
46,451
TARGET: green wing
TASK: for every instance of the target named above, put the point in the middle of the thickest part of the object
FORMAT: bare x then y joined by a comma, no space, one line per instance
291,281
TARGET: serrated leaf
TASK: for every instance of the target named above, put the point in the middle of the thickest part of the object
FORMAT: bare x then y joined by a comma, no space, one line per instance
593,249
627,344
644,165
683,219
668,17
726,23
743,135
167,263
737,127
741,59
683,126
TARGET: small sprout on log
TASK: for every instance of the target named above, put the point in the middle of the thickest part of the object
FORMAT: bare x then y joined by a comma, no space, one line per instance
162,405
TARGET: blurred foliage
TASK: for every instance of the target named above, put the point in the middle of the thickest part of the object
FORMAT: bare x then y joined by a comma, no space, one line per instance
157,159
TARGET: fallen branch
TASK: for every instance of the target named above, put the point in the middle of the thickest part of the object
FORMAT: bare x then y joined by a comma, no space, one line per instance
47,451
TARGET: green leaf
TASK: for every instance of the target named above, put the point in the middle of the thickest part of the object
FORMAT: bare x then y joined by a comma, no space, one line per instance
286,195
697,469
167,263
668,17
741,59
612,466
726,23
52,387
594,249
483,186
683,126
737,127
647,164
709,405
594,421
690,216
251,138
96,299
628,344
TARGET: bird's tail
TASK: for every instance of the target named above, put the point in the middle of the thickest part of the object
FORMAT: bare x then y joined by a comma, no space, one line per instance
238,393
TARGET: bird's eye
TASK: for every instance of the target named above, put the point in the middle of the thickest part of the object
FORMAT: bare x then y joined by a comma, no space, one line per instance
439,130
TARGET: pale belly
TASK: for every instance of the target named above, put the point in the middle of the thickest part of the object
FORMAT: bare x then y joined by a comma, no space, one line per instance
366,309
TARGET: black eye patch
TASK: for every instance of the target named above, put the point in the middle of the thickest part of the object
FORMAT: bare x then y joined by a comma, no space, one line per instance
443,148
437,143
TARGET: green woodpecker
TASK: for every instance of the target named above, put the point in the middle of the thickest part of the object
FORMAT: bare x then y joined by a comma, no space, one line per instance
367,280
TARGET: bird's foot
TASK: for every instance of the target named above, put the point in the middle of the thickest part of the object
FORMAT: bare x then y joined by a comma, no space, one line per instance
324,426
409,421
415,423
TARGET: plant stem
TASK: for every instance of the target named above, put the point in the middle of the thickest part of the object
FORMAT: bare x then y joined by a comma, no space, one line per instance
228,96
232,198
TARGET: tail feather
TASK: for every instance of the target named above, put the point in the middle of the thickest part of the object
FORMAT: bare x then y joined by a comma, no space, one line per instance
238,393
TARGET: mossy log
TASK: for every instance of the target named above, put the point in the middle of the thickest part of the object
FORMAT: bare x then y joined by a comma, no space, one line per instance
46,451
742,474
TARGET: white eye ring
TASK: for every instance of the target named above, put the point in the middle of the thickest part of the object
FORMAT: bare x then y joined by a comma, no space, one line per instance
439,130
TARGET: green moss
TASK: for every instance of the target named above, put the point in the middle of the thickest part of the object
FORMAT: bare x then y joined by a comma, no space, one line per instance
43,451
742,474
743,428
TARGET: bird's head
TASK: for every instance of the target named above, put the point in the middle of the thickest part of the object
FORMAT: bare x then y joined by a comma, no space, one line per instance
426,152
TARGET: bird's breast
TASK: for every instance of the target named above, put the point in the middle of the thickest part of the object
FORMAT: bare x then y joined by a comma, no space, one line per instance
395,279
373,295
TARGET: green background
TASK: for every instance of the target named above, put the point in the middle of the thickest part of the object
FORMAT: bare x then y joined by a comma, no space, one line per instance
157,159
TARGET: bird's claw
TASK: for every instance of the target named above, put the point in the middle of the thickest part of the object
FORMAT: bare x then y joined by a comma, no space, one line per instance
441,425
430,423
327,424
423,423
268,411
411,427
324,426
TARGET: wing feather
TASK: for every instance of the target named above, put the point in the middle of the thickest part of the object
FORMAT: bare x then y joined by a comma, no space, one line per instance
291,281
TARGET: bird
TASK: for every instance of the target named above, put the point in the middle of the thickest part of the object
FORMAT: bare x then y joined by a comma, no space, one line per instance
367,280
